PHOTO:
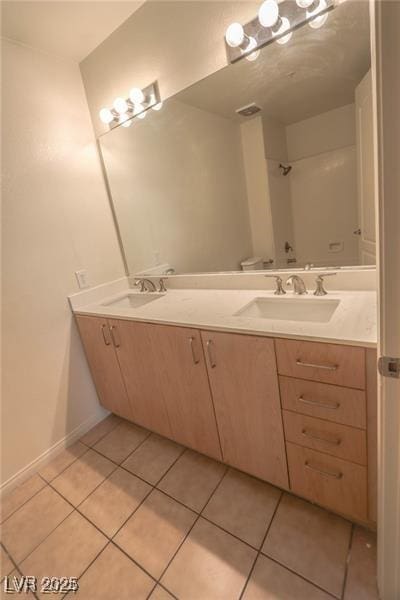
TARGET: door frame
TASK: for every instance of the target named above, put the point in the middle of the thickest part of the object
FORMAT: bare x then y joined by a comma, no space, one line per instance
385,45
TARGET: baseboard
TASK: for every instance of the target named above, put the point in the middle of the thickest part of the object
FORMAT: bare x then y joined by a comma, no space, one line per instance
52,452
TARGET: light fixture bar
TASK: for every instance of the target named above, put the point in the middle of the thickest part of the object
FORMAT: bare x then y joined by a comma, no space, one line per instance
290,10
123,110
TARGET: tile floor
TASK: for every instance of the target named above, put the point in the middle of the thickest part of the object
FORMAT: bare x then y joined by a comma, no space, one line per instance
136,516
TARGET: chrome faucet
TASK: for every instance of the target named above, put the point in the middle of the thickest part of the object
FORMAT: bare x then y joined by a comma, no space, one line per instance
320,290
298,284
146,285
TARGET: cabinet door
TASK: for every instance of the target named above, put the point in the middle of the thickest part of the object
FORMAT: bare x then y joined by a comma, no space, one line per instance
103,364
183,378
244,384
141,374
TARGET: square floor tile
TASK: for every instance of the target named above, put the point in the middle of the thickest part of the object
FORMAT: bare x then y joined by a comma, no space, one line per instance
121,441
83,476
210,564
243,506
310,541
160,594
109,506
62,461
114,576
29,526
154,532
270,581
67,552
153,458
6,564
100,430
361,574
192,479
19,495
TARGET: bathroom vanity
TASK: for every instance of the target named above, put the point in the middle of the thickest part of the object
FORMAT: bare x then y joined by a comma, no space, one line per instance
291,401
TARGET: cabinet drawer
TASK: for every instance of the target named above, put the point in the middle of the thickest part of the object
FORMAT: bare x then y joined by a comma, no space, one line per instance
338,440
329,402
329,363
329,481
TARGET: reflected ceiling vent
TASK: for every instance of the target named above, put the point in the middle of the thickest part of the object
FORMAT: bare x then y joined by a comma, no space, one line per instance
248,110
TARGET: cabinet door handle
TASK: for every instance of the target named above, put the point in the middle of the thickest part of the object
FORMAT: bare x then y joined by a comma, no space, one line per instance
301,363
333,405
115,336
313,436
335,474
196,359
212,360
105,332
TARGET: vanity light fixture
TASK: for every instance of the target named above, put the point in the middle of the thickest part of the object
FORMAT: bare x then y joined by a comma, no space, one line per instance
136,105
274,22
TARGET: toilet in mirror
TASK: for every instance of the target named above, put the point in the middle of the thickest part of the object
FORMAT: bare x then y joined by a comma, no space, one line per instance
266,164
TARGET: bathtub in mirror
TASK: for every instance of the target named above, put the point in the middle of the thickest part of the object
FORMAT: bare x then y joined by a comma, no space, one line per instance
268,160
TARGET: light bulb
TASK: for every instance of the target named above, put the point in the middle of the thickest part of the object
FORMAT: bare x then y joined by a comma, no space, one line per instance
252,54
139,108
106,115
157,106
123,119
120,105
136,95
268,13
234,35
142,115
304,3
317,22
127,123
285,25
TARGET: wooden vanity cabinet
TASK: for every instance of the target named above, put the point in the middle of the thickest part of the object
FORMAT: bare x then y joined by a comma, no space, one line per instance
103,363
244,384
182,377
134,345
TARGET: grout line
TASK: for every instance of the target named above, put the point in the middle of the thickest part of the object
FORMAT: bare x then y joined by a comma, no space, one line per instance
261,545
191,528
349,550
104,435
26,501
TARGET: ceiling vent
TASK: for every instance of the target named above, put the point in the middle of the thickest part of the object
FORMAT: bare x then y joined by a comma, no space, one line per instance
248,110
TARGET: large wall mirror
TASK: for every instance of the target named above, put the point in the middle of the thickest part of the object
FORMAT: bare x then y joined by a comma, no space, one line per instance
269,159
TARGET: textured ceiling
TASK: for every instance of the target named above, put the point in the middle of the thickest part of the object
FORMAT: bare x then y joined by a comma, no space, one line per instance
316,71
67,29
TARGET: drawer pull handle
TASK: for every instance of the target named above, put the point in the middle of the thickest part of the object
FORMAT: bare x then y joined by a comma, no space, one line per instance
300,363
114,335
335,474
196,360
106,339
212,360
332,405
309,434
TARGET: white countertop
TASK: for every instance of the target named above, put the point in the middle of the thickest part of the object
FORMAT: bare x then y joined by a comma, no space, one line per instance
354,322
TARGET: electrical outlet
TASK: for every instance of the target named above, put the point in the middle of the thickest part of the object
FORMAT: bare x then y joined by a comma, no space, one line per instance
82,279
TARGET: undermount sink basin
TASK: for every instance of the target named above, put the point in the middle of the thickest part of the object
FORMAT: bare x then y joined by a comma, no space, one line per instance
290,309
130,300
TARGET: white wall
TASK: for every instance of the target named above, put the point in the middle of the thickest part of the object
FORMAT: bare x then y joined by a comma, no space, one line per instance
258,195
56,220
323,185
178,187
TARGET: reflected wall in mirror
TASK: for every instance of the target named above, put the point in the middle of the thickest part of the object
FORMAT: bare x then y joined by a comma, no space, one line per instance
199,187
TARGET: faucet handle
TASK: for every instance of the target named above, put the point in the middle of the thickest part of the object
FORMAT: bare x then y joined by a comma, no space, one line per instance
319,280
279,287
161,283
140,281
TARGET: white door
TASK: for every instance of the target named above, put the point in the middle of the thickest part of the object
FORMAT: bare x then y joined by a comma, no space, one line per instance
386,31
365,171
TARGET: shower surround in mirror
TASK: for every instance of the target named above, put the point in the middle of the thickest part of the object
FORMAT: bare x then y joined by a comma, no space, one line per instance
199,187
